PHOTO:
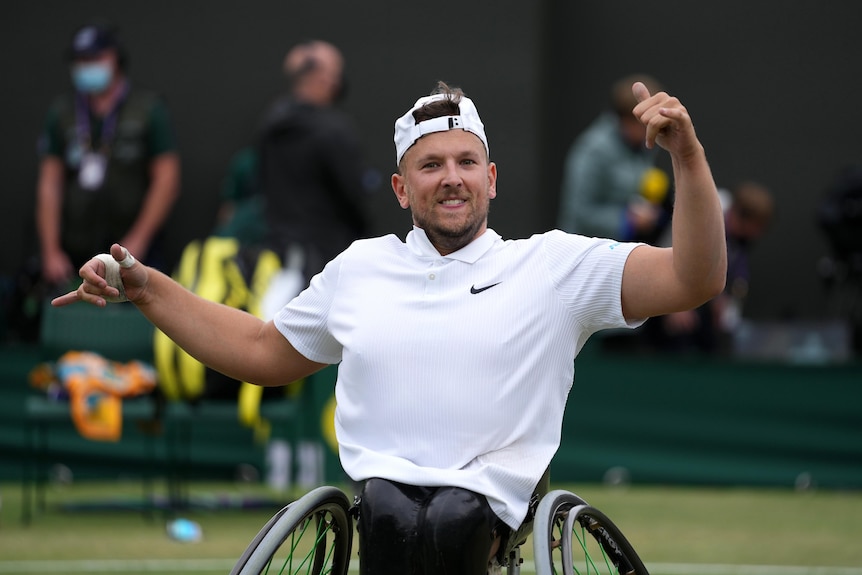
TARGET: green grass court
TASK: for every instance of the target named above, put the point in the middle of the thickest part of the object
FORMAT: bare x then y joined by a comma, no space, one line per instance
676,530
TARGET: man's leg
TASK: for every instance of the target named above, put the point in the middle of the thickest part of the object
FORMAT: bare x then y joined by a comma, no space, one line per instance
409,530
456,533
388,516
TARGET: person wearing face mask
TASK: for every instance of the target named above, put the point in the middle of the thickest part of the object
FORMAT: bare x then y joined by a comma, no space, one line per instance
109,168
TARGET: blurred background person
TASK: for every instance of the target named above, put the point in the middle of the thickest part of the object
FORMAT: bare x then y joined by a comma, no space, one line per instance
611,187
242,214
748,211
839,215
109,167
312,178
311,169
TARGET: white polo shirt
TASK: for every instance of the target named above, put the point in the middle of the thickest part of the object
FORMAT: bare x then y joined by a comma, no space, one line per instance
455,369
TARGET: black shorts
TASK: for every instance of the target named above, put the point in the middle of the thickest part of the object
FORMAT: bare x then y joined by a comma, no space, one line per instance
410,530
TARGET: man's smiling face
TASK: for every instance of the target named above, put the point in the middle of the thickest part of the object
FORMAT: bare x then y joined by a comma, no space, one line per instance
448,183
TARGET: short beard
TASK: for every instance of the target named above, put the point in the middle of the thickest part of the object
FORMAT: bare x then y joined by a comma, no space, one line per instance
451,240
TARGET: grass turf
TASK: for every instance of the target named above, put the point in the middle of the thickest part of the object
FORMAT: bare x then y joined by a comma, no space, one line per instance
795,532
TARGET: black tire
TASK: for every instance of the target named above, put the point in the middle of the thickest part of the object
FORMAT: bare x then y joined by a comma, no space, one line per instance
570,536
314,534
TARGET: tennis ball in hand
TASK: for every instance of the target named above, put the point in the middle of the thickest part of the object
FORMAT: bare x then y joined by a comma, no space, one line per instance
112,276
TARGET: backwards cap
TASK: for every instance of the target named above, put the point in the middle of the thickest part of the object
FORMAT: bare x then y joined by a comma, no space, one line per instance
407,131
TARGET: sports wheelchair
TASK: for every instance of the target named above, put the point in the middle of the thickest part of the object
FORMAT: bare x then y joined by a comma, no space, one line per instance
314,535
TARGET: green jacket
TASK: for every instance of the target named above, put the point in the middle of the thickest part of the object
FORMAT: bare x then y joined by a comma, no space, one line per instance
601,176
93,219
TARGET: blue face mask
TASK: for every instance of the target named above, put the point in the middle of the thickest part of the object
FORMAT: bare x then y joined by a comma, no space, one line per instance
91,78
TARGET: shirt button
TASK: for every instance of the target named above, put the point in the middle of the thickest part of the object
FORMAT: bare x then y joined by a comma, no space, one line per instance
432,276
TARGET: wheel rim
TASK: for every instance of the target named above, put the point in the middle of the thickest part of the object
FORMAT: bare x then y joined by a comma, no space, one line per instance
311,548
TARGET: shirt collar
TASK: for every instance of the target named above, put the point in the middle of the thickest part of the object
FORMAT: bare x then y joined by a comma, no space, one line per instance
420,245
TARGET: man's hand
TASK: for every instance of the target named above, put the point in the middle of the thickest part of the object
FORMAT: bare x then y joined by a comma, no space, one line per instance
643,216
95,289
667,121
56,267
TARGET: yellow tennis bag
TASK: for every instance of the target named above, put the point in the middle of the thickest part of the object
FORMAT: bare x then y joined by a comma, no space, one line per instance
219,269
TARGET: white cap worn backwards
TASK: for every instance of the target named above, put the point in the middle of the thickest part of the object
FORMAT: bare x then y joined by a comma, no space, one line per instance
407,131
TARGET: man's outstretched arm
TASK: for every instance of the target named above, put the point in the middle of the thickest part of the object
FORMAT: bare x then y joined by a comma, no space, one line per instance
226,339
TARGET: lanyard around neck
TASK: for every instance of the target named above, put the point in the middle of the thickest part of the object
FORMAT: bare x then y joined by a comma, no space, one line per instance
109,122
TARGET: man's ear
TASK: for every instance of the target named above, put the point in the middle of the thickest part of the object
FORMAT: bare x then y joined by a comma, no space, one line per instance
492,180
399,186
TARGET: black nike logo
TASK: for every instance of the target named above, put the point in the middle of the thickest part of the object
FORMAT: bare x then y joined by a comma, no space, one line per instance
475,290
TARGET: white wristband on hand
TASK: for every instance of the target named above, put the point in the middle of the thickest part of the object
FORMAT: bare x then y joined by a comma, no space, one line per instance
112,275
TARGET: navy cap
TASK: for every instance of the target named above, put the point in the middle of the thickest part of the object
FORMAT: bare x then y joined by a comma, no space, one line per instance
91,40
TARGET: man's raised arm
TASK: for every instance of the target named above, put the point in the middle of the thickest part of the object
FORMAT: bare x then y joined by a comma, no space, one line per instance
657,281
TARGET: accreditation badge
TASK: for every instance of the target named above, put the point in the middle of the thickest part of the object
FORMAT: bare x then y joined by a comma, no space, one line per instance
92,172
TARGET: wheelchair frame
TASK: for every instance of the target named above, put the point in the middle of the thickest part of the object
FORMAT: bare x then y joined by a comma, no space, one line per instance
314,535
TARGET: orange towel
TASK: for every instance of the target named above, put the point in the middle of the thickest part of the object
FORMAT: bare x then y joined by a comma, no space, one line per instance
96,387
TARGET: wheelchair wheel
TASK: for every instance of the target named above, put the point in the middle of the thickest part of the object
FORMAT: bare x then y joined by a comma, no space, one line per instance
570,536
314,534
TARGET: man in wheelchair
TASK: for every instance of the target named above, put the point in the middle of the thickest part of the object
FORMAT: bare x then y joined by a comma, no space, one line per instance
455,347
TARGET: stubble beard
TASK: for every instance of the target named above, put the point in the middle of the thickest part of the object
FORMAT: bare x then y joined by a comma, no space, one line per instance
448,239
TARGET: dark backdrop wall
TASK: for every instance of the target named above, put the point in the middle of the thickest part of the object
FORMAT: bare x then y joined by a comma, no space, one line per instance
772,93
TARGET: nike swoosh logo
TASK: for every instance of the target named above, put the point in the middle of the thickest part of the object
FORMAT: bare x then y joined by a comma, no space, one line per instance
475,290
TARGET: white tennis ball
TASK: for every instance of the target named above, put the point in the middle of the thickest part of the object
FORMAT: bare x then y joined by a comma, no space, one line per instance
112,276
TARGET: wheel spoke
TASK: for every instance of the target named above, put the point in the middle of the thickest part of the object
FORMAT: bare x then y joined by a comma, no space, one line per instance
312,536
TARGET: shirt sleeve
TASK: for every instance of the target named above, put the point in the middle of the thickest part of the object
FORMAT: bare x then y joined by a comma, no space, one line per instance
51,140
588,275
304,322
162,138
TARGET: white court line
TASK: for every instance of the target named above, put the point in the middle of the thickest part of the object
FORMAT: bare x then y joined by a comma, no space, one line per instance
723,569
44,567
